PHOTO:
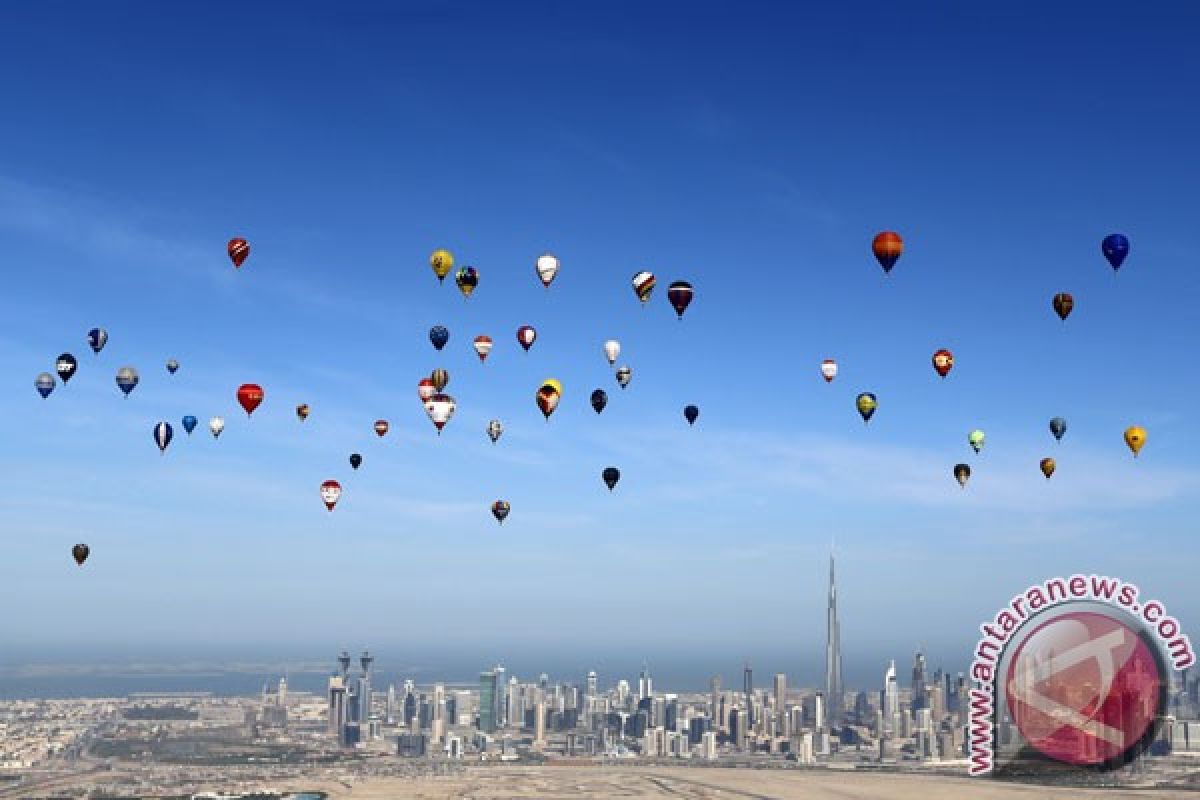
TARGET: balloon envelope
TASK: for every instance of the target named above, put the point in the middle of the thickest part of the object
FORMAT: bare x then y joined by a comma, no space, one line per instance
548,395
440,378
127,378
1058,426
189,424
80,553
500,510
643,285
438,336
440,409
172,366
494,429
483,346
624,375
943,362
45,384
610,476
216,425
887,248
250,396
961,473
690,413
331,492
612,349
547,268
302,411
1135,437
866,405
381,427
467,279
1047,466
1062,303
425,389
599,400
442,262
163,435
975,439
680,294
1115,248
355,460
238,249
829,370
65,366
97,338
526,336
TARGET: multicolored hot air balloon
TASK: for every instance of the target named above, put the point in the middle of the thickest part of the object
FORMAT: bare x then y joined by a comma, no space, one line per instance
624,376
302,411
526,336
599,400
829,369
1062,303
163,435
381,427
1115,248
961,473
45,384
975,439
548,396
440,408
500,510
494,429
442,262
1135,437
189,424
438,336
1058,426
249,396
80,553
215,426
238,249
172,366
425,390
97,338
866,405
680,294
610,476
612,349
690,413
483,346
643,285
331,492
887,248
943,362
467,279
440,378
355,461
65,366
127,378
1047,466
547,267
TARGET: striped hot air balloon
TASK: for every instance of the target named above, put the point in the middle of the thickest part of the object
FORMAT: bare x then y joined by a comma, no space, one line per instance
238,250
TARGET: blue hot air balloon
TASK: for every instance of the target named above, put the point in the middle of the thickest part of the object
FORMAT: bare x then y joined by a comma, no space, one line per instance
189,424
1115,248
45,384
162,435
127,378
438,335
97,338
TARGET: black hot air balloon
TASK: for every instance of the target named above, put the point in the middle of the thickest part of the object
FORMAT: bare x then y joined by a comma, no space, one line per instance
680,294
355,460
438,336
599,400
80,552
961,473
1063,303
690,413
500,510
65,366
611,475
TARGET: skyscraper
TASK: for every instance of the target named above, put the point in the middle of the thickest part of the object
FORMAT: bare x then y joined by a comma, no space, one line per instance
500,710
919,700
780,703
748,688
714,687
889,700
337,704
833,657
645,683
364,688
487,702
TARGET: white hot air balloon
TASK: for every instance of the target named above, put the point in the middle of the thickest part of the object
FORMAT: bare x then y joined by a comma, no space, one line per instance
216,425
440,408
547,268
612,349
829,369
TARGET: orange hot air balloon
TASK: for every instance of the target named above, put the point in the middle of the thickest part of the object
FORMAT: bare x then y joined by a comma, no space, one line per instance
250,397
943,362
1135,437
1048,466
381,427
238,250
887,248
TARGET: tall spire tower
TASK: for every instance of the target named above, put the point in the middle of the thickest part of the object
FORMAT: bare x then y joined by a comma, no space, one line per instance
833,657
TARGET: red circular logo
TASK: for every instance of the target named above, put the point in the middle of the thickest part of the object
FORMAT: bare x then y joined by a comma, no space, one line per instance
1085,688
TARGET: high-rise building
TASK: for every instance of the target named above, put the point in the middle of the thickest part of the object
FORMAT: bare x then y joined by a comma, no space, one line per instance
500,698
833,656
539,723
337,705
780,694
919,700
364,688
512,713
487,701
889,699
748,688
645,684
390,711
591,684
438,713
708,745
714,689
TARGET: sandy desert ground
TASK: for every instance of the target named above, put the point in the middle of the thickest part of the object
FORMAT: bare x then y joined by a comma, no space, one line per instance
571,783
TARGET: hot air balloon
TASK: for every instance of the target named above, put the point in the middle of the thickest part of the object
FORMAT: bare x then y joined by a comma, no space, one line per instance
163,435
425,390
943,362
80,553
975,439
97,338
1063,303
355,460
65,366
612,349
1135,437
172,366
643,285
829,370
547,268
494,429
381,427
302,411
1115,248
526,335
238,250
440,378
611,475
440,409
1058,426
127,378
1048,466
548,395
331,492
442,262
483,346
250,396
680,295
690,413
467,279
189,424
866,405
500,509
216,425
624,375
599,400
438,336
45,384
887,248
961,473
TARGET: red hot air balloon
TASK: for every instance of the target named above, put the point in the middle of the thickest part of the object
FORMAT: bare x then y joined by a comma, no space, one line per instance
526,336
1063,302
887,248
425,389
238,249
381,427
943,361
680,294
331,492
250,396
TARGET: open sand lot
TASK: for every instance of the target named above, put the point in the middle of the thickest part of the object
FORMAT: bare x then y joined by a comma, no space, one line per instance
568,783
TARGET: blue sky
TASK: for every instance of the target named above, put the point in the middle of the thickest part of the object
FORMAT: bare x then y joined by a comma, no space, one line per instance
752,149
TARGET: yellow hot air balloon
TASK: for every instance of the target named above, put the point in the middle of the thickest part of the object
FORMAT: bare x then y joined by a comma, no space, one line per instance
1135,437
442,262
